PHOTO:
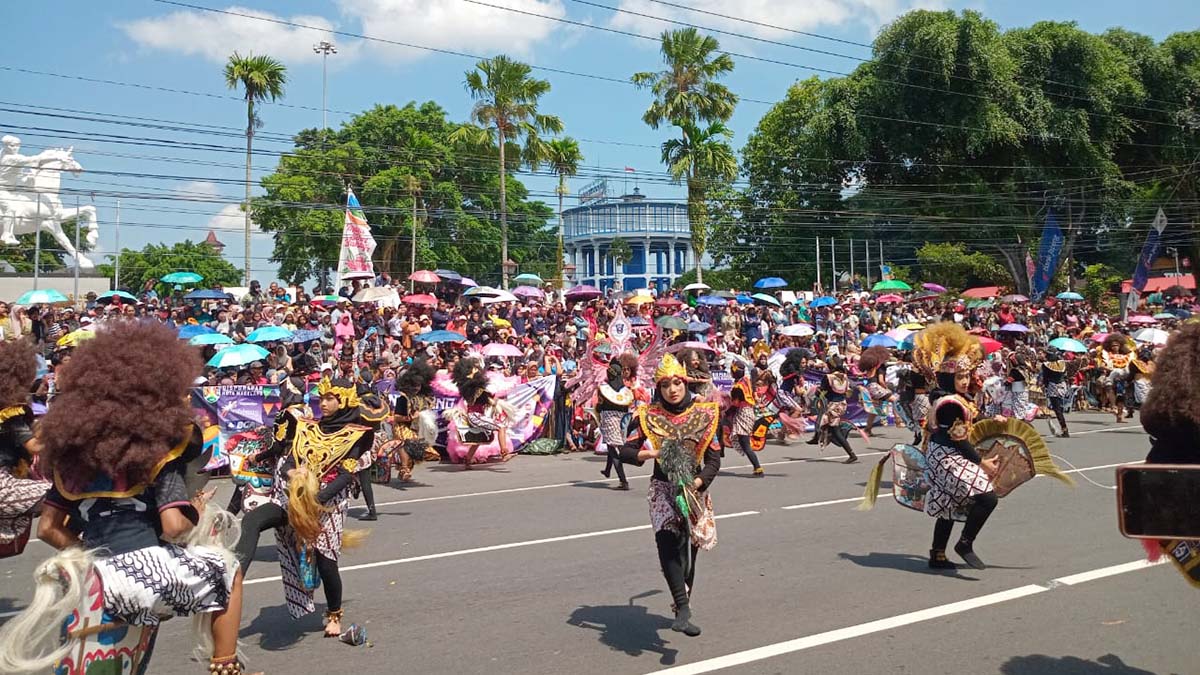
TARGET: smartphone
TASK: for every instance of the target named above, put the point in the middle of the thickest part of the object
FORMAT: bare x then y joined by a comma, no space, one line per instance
1159,501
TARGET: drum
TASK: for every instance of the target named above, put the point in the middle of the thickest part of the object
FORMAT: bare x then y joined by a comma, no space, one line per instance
101,645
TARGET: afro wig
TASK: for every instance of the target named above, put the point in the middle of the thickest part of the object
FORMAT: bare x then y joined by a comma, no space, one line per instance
18,368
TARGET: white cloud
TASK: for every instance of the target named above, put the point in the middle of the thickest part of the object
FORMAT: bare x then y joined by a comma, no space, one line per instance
229,218
198,189
216,36
810,15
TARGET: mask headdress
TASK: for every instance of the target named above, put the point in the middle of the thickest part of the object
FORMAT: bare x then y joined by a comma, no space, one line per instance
669,367
946,347
344,390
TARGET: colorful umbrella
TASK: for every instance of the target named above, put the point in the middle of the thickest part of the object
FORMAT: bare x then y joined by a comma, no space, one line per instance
743,299
1098,337
698,326
638,321
237,355
499,296
880,340
75,337
211,339
891,285
898,334
109,295
796,330
981,292
728,295
1152,336
438,336
380,294
448,275
925,295
528,292
305,336
913,326
763,297
45,296
1015,298
770,282
697,287
690,344
420,299
670,322
182,278
989,345
192,330
1069,295
824,301
424,277
467,282
206,294
480,291
583,292
889,297
1069,345
638,300
270,334
528,279
668,302
934,287
712,300
1014,328
326,300
501,349
1165,316
1141,319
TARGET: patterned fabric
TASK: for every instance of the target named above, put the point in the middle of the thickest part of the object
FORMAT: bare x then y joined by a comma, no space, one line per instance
878,392
299,599
142,586
744,418
834,411
665,516
920,407
953,481
1057,390
18,497
612,430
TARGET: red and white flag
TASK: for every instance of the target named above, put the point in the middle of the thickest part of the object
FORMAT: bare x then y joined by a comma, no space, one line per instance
630,169
354,260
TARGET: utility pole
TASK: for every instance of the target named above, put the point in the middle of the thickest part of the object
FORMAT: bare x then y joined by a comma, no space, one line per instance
37,242
75,296
867,250
833,262
881,260
117,262
324,48
852,263
412,249
818,266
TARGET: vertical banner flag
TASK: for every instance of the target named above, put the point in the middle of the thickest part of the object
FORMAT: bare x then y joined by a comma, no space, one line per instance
354,260
1048,253
1030,268
1150,251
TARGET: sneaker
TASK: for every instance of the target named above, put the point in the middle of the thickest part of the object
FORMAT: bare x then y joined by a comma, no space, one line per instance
967,553
759,472
683,622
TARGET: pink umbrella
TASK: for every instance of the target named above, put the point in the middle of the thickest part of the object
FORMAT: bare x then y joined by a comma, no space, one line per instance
1099,337
467,282
528,292
501,349
890,297
898,334
1141,319
424,277
934,287
680,346
420,299
583,292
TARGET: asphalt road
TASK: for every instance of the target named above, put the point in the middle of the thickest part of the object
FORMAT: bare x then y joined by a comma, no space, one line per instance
538,566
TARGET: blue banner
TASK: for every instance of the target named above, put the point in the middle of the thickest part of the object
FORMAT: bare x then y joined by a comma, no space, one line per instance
1048,254
1150,251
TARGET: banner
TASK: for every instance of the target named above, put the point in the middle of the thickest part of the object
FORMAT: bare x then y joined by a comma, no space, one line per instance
1048,253
354,260
229,414
1150,252
531,400
1030,269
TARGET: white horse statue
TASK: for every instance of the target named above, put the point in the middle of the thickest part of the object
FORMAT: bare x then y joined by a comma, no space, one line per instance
39,207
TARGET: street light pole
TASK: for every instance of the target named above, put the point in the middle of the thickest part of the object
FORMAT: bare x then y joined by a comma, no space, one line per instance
324,48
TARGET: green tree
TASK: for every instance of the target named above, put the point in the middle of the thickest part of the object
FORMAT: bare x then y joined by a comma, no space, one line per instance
260,78
506,105
1098,281
564,157
155,261
688,96
952,266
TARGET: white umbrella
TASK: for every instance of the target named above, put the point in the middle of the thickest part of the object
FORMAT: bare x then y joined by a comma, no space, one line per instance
498,296
1152,336
697,287
383,295
797,330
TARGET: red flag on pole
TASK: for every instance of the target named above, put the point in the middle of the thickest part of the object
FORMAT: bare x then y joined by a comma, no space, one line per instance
630,169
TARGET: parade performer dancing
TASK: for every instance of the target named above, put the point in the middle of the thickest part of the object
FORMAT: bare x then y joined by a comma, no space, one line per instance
121,446
615,400
318,465
1113,365
877,394
1054,383
414,418
742,415
680,435
19,493
834,386
480,417
953,481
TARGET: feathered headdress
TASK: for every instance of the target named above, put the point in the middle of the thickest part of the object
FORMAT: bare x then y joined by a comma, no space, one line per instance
946,347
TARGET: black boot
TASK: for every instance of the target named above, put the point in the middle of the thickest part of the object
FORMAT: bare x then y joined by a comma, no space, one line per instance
852,458
683,622
938,560
814,440
370,516
967,553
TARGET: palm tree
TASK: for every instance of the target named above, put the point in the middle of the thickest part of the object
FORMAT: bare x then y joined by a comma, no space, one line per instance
564,157
260,78
687,95
506,104
700,158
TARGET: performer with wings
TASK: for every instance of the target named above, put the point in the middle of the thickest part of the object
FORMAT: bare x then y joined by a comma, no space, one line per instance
680,434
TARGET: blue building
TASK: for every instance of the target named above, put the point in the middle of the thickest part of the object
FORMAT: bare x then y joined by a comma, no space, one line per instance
657,233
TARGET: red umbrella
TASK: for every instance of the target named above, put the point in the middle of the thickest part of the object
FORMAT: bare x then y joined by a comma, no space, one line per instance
424,277
890,297
989,345
680,346
420,299
981,292
668,302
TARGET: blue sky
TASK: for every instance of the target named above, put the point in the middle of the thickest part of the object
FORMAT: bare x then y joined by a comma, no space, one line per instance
161,46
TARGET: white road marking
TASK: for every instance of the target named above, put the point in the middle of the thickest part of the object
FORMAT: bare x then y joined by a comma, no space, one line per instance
900,620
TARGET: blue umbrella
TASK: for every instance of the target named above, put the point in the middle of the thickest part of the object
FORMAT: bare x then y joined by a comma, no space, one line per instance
770,282
270,334
109,295
192,330
182,278
305,336
448,275
907,343
1069,295
880,340
763,297
1069,345
211,339
1014,328
237,355
698,327
208,294
45,296
712,300
824,301
437,336
743,299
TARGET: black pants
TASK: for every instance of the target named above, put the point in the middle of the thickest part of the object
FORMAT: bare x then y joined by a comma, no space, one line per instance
271,516
743,442
368,492
1056,404
981,508
838,435
671,552
614,461
235,499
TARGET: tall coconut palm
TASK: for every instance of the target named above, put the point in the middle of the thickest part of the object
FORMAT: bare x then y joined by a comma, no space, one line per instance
688,95
260,78
701,158
564,157
506,105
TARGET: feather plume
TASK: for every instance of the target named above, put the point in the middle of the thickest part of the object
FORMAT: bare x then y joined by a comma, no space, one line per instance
874,480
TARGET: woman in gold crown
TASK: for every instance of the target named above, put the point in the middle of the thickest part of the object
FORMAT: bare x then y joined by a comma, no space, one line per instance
960,480
318,466
680,434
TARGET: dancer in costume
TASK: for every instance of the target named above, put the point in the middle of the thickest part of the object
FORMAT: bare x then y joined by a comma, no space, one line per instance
414,418
680,435
122,448
20,494
834,386
913,397
1112,363
615,400
317,466
775,405
742,415
1054,383
872,365
480,417
1141,372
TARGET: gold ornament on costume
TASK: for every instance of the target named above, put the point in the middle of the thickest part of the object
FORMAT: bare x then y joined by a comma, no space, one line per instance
321,450
668,368
347,396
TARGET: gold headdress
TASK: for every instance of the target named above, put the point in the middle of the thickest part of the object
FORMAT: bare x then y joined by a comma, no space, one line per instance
347,395
759,350
669,367
946,347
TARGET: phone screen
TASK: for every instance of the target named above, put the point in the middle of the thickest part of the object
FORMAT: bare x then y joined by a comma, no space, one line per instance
1159,502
